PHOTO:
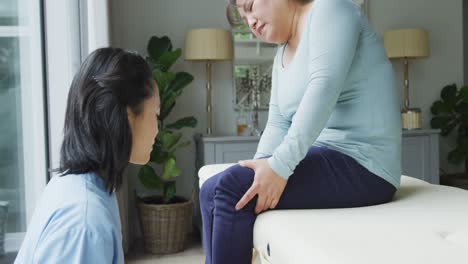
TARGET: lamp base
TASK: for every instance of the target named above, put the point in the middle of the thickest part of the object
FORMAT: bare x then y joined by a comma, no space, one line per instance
411,119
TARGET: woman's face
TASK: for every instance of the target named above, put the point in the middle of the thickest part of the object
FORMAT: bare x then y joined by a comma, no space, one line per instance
269,20
144,128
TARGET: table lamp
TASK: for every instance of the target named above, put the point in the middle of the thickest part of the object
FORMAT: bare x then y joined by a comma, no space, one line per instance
407,44
208,45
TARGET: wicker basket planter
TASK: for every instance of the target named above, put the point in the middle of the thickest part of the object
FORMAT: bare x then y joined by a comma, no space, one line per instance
165,226
3,221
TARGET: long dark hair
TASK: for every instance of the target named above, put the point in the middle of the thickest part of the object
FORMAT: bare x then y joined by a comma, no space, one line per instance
97,134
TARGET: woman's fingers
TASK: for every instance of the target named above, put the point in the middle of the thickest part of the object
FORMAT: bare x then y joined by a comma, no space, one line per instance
267,185
264,202
248,164
261,204
273,203
249,195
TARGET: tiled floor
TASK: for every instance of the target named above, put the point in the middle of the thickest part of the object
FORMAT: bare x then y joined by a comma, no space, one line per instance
192,255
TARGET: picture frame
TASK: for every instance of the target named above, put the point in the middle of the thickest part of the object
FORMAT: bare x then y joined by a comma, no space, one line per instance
245,95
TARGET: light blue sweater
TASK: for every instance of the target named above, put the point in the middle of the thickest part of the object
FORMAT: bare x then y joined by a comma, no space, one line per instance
338,91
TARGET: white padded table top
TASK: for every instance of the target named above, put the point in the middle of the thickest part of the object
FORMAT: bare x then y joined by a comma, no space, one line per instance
424,223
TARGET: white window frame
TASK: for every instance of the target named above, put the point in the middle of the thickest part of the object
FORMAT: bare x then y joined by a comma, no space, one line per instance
61,40
31,105
59,30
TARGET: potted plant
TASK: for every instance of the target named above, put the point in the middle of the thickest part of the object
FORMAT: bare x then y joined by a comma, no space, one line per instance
451,114
165,218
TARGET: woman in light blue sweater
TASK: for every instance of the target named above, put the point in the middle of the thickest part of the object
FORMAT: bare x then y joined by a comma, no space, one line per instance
333,135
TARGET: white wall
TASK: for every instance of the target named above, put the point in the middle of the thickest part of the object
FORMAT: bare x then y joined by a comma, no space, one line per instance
444,22
133,22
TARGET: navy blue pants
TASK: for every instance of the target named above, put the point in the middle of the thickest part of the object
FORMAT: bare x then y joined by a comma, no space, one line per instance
324,179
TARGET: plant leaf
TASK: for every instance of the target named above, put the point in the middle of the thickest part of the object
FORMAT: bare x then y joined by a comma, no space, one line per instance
181,80
149,178
163,79
168,95
449,95
170,169
167,104
158,46
157,155
174,90
184,122
440,122
169,58
169,140
464,94
440,107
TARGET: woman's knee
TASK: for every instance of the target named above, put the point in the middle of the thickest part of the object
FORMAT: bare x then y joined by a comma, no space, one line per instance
233,180
207,190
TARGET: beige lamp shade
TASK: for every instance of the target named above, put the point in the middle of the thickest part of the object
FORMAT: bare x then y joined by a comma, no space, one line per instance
208,44
406,43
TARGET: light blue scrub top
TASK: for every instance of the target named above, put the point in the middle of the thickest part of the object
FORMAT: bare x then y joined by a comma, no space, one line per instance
75,221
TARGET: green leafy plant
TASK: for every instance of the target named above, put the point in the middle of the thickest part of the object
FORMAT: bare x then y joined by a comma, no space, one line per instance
449,114
161,57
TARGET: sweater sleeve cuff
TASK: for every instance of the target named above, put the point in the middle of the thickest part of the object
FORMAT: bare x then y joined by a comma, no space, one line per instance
281,169
258,156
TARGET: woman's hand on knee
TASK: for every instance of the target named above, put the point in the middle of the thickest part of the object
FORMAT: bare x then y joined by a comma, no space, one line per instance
267,185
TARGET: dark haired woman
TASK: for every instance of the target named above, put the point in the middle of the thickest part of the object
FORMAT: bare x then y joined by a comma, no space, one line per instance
111,119
333,134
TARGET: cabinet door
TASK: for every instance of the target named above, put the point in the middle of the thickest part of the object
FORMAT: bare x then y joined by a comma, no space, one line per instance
233,152
415,157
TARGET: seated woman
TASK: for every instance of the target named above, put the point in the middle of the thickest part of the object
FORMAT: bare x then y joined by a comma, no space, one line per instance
333,136
111,119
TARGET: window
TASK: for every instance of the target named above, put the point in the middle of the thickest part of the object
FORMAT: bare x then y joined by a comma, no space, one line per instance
23,169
